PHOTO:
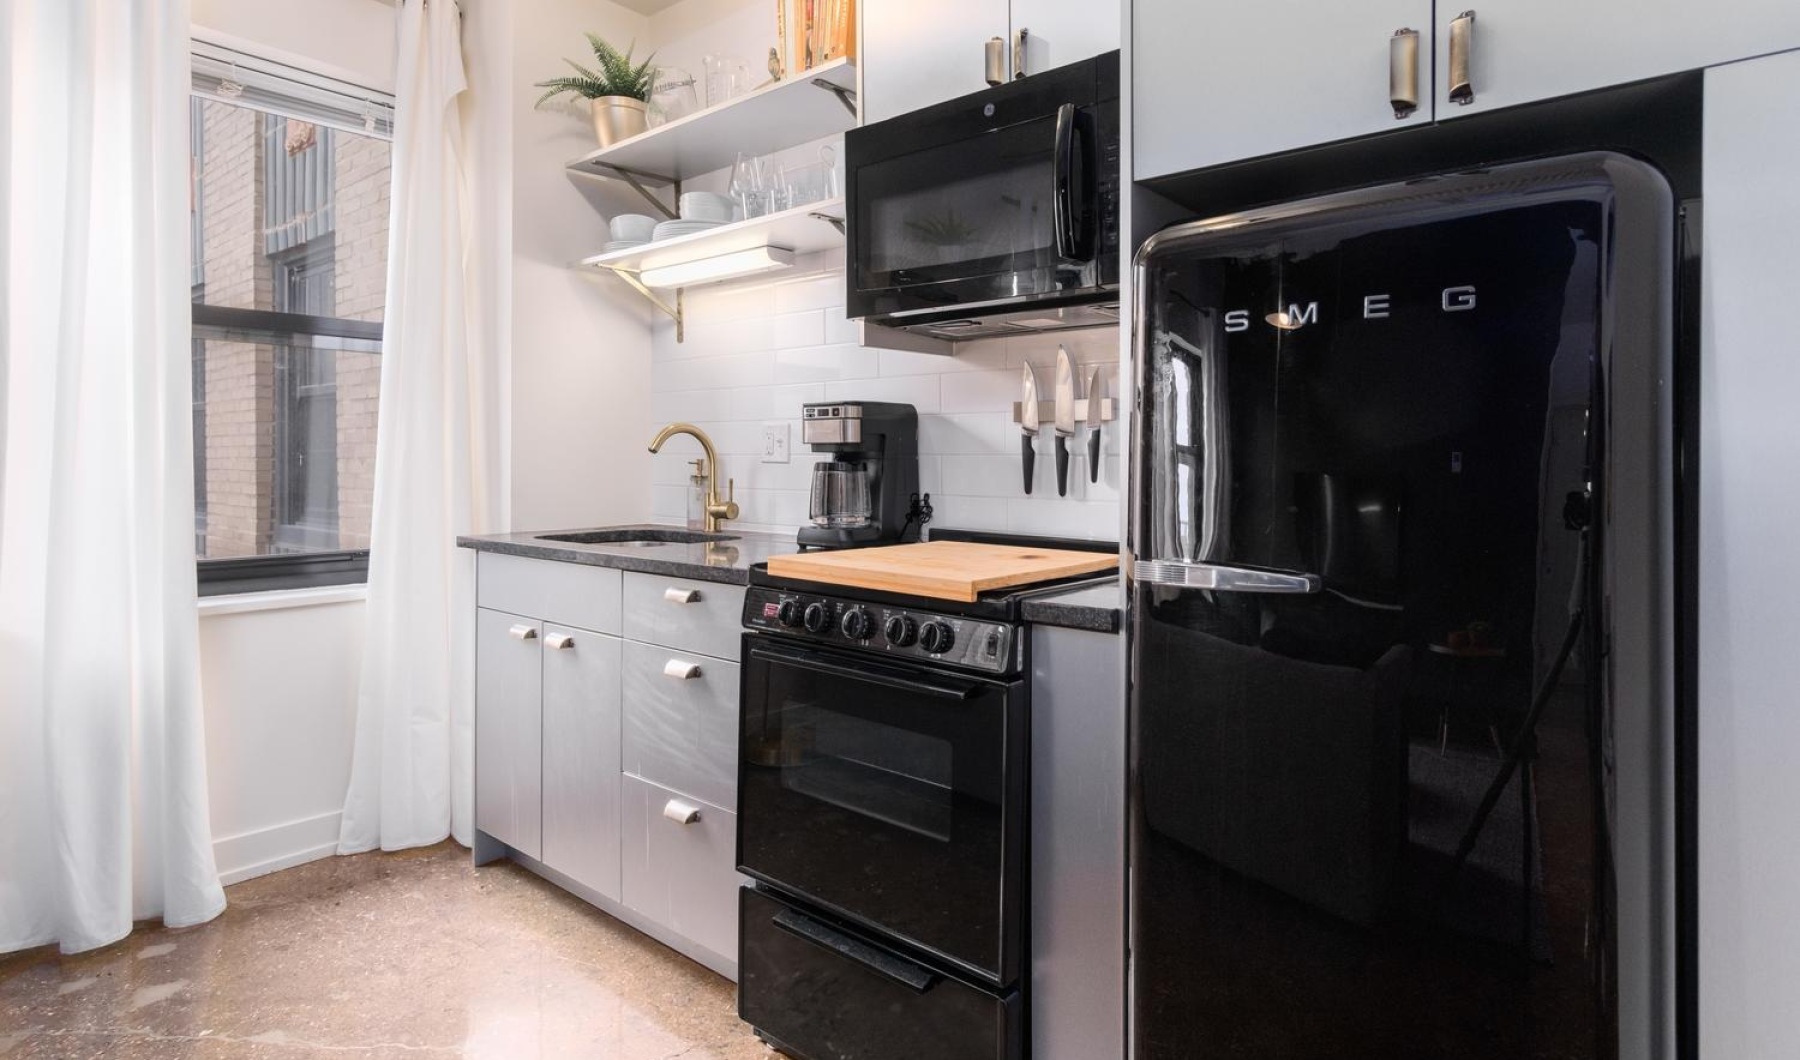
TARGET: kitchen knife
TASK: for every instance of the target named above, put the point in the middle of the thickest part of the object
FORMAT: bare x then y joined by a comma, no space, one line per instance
1065,418
1028,423
1095,389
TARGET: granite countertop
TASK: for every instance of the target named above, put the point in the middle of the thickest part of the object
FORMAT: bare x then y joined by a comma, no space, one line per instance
1087,606
712,561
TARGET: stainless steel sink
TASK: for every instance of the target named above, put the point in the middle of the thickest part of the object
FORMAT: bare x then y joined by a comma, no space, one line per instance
637,537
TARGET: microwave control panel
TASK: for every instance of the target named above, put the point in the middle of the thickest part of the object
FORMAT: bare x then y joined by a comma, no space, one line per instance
884,629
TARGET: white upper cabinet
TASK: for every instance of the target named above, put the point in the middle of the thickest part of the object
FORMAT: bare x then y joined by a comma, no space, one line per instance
1216,82
1525,50
1060,32
919,52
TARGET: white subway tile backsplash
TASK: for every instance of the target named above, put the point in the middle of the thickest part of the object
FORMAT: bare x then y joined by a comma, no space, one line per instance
756,352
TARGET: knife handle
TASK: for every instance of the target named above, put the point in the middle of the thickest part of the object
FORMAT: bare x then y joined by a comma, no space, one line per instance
1029,456
1062,465
1093,442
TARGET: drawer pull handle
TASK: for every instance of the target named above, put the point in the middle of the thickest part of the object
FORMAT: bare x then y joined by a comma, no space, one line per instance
522,632
1403,72
1462,45
681,812
681,596
683,671
559,641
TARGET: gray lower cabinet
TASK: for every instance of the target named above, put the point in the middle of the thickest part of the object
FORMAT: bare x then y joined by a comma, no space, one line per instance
612,761
678,861
581,742
681,721
509,730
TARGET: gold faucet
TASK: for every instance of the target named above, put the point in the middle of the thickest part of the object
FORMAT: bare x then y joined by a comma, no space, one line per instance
716,510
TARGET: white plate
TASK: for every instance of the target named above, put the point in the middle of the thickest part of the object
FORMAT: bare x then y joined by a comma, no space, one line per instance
622,244
674,229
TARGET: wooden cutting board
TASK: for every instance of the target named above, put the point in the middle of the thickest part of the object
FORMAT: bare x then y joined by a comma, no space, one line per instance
941,570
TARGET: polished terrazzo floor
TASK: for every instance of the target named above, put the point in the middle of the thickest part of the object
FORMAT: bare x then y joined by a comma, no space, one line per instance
379,955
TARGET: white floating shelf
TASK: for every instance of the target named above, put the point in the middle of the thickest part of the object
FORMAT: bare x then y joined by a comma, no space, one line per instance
800,230
782,115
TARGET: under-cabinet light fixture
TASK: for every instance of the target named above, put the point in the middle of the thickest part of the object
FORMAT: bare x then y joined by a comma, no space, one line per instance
724,267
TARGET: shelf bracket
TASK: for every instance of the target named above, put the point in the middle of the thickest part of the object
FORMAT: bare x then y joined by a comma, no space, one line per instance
672,312
637,185
835,222
846,96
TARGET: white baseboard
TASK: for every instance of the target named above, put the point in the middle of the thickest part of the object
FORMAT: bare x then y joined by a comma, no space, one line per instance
251,854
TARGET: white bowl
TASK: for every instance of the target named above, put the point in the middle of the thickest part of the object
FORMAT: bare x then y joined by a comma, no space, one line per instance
705,206
635,227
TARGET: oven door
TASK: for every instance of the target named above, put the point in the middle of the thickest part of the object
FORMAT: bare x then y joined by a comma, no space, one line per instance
890,794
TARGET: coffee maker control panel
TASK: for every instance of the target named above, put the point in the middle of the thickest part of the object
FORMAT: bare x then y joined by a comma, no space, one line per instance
884,629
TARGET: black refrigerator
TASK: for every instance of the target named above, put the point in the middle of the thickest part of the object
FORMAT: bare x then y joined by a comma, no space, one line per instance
1403,620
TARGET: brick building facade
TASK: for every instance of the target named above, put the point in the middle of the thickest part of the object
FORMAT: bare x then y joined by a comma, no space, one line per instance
291,218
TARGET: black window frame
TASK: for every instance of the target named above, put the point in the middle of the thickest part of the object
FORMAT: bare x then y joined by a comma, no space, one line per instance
298,570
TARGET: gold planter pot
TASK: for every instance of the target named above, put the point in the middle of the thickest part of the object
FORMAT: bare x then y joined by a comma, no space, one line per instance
617,118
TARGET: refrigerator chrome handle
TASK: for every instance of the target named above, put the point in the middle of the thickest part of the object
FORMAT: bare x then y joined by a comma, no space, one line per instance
1220,578
1403,72
1462,42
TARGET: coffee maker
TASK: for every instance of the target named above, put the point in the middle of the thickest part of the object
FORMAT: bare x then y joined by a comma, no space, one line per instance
864,492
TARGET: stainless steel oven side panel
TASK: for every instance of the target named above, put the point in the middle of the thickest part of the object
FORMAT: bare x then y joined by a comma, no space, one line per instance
1014,889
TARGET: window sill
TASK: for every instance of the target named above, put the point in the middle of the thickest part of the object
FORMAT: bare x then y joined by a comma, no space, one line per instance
281,599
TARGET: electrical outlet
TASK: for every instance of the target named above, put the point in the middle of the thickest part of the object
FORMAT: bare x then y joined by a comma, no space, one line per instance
775,443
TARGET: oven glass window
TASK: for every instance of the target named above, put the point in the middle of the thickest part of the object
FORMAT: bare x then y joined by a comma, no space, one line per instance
881,772
887,793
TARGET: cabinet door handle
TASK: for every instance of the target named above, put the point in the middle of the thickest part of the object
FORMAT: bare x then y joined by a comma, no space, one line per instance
681,812
995,72
681,596
559,641
1019,40
1462,45
1403,72
681,671
522,632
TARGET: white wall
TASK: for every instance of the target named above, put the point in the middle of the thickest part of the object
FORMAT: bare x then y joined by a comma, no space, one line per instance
347,38
1750,518
756,351
280,690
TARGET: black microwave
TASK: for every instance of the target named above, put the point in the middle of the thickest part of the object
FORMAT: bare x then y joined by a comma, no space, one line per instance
992,214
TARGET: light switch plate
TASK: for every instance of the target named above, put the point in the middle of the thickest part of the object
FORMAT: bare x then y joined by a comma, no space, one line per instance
775,443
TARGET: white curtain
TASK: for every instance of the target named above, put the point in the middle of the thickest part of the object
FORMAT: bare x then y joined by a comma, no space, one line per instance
103,813
412,779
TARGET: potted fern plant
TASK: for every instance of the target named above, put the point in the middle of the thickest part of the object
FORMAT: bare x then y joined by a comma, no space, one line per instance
616,90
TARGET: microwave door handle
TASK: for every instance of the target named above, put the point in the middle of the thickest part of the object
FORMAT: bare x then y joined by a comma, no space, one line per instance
1222,579
1069,241
872,674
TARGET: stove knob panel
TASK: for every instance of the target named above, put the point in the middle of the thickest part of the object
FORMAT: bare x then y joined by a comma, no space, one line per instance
856,624
937,637
901,631
817,618
788,614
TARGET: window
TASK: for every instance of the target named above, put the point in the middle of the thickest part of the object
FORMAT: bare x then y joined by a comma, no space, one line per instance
289,233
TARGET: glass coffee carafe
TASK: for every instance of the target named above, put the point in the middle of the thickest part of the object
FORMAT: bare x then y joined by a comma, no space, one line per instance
840,494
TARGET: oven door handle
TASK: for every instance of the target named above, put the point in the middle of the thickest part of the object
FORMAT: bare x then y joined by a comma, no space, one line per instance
1072,241
874,673
906,973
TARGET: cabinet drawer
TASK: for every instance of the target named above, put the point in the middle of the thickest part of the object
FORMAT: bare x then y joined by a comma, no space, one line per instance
571,594
683,876
704,617
682,732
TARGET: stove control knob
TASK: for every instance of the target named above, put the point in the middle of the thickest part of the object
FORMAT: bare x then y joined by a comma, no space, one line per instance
901,631
855,624
788,614
937,637
817,618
